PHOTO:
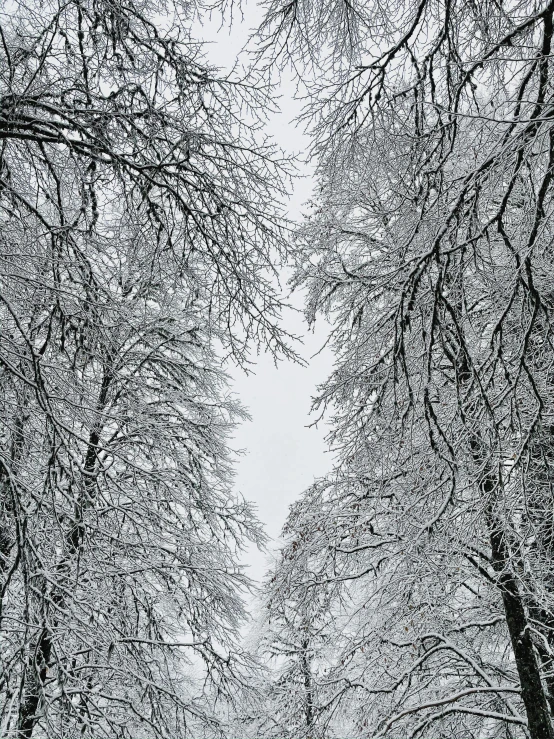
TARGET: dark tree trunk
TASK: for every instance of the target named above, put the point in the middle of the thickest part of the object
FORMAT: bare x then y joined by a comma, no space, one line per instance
307,674
35,675
533,692
40,658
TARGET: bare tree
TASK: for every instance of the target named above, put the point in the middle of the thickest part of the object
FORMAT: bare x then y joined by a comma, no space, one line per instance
431,250
298,629
137,245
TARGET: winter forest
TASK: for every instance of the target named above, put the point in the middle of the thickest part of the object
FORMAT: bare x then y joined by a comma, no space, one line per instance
152,243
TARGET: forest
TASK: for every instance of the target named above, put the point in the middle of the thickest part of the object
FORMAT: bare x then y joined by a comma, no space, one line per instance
147,253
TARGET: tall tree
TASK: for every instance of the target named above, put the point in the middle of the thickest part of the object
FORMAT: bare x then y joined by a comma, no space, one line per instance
431,250
137,245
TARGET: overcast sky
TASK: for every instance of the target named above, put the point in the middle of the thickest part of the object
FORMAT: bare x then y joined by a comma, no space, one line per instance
282,455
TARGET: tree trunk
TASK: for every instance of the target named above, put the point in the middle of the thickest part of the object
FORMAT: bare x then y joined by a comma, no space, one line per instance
40,658
35,675
533,692
307,674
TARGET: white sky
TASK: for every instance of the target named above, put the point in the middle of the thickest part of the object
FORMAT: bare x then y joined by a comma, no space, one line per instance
282,456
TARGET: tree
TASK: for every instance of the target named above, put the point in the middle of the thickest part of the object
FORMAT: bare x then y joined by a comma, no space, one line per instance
298,629
431,250
137,247
418,639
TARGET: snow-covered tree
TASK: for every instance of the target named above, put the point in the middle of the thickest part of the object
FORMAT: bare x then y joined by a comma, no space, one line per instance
298,628
430,251
137,244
